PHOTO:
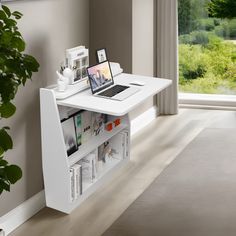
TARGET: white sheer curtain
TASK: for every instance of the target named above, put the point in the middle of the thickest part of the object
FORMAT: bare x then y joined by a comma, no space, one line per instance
167,53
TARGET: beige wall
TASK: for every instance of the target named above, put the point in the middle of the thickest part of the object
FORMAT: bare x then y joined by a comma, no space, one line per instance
143,46
48,27
143,37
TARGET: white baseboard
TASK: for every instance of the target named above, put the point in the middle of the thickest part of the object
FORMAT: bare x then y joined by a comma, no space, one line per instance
22,213
27,209
143,120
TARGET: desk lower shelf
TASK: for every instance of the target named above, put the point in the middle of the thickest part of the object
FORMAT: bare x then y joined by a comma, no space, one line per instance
94,142
100,181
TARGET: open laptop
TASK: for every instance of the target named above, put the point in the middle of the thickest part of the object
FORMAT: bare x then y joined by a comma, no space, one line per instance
102,83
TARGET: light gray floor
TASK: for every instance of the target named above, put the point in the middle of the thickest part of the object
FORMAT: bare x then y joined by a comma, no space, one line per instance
194,196
153,149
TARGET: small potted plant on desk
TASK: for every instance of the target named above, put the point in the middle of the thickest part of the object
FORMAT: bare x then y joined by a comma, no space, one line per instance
15,69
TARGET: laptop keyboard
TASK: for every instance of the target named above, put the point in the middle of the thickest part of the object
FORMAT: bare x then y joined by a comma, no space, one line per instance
113,91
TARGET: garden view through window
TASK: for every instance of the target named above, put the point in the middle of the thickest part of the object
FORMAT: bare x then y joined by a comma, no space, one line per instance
207,46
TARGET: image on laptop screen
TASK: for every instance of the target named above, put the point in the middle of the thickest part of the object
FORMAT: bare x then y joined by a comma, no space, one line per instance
100,76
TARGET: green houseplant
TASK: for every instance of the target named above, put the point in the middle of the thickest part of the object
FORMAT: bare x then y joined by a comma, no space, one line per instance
15,69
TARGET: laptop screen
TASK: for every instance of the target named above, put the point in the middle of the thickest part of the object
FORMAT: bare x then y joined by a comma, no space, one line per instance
100,76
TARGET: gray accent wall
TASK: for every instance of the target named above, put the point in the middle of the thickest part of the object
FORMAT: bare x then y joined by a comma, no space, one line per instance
111,27
48,27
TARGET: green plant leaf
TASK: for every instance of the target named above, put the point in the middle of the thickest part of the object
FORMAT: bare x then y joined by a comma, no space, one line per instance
7,110
31,63
3,15
6,38
13,173
17,14
19,43
8,86
7,10
10,22
3,163
4,186
1,151
5,140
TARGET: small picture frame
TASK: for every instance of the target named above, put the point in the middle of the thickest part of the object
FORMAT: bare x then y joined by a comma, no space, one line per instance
101,55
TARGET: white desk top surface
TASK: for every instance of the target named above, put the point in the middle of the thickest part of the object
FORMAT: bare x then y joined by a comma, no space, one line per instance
85,100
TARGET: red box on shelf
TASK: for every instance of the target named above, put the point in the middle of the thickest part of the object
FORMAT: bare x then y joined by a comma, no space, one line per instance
117,122
109,126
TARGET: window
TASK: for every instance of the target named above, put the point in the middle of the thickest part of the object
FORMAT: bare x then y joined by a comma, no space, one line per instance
207,46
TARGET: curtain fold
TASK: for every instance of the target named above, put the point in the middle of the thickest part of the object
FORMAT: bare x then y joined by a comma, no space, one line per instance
167,53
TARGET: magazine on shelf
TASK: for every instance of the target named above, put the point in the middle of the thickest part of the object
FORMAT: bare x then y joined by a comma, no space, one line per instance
86,119
98,123
68,128
118,146
104,152
78,128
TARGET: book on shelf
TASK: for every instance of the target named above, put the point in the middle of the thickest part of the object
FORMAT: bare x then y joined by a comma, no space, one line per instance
89,170
78,128
76,181
126,145
72,186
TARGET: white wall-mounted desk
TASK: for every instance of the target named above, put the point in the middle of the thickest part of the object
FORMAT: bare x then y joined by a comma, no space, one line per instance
56,162
86,101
